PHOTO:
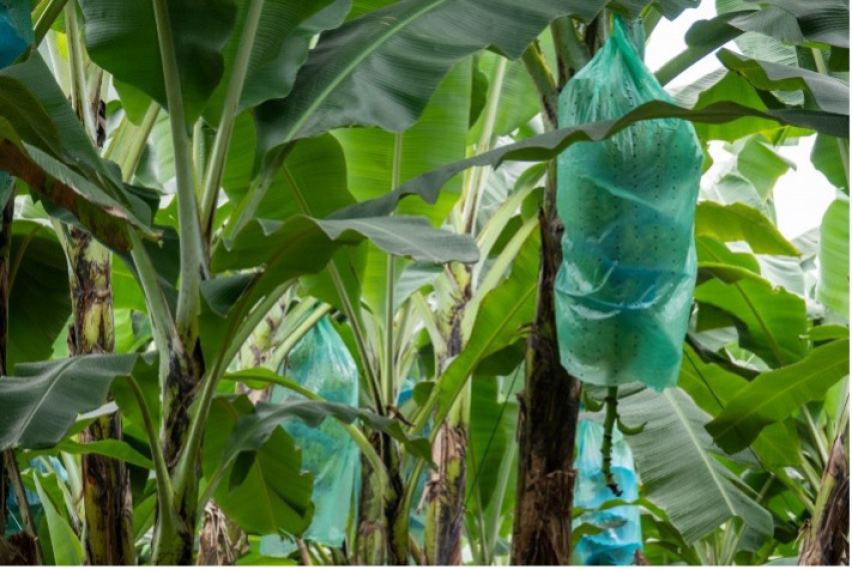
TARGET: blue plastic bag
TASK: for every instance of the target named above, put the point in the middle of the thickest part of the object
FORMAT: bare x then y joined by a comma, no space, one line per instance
417,522
627,203
321,363
14,520
621,532
16,34
16,29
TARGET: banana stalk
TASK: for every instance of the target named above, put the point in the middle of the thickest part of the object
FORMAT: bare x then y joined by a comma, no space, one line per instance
827,535
108,507
107,503
549,407
370,543
550,402
445,489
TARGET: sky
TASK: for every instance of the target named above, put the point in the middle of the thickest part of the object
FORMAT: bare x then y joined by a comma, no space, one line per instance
801,195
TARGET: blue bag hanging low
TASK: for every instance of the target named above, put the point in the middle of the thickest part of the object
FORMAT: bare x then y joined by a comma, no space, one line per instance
620,533
627,203
321,363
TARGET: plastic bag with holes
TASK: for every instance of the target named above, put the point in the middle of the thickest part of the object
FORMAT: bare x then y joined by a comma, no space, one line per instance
321,363
609,537
627,203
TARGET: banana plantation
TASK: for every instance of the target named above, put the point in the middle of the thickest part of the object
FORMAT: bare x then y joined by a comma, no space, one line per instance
424,282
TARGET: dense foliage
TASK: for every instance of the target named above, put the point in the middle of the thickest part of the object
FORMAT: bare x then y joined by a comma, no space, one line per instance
194,185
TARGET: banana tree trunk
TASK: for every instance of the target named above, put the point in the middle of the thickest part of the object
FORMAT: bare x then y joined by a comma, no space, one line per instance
549,407
5,261
827,538
108,506
382,525
397,520
222,542
370,537
106,485
2,496
174,532
446,486
550,403
445,491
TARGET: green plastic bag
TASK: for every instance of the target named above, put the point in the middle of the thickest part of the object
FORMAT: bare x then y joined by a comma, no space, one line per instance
624,289
321,363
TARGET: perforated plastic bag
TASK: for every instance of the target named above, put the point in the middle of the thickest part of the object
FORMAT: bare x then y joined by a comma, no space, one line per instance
621,533
627,203
321,362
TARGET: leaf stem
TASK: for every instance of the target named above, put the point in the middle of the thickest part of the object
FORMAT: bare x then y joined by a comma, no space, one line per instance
842,144
389,284
216,164
21,496
163,327
428,319
816,436
137,145
191,250
245,210
300,331
46,18
571,54
606,449
165,519
544,83
473,190
164,487
79,94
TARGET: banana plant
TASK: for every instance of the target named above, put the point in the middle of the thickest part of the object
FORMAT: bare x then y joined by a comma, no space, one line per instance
263,155
191,98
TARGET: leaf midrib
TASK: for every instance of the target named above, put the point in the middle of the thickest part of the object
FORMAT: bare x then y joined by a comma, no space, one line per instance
773,344
744,219
701,452
800,379
413,246
352,65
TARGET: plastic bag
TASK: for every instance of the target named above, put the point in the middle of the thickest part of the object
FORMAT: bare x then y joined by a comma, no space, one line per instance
16,33
621,532
417,522
16,29
14,519
627,203
321,362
